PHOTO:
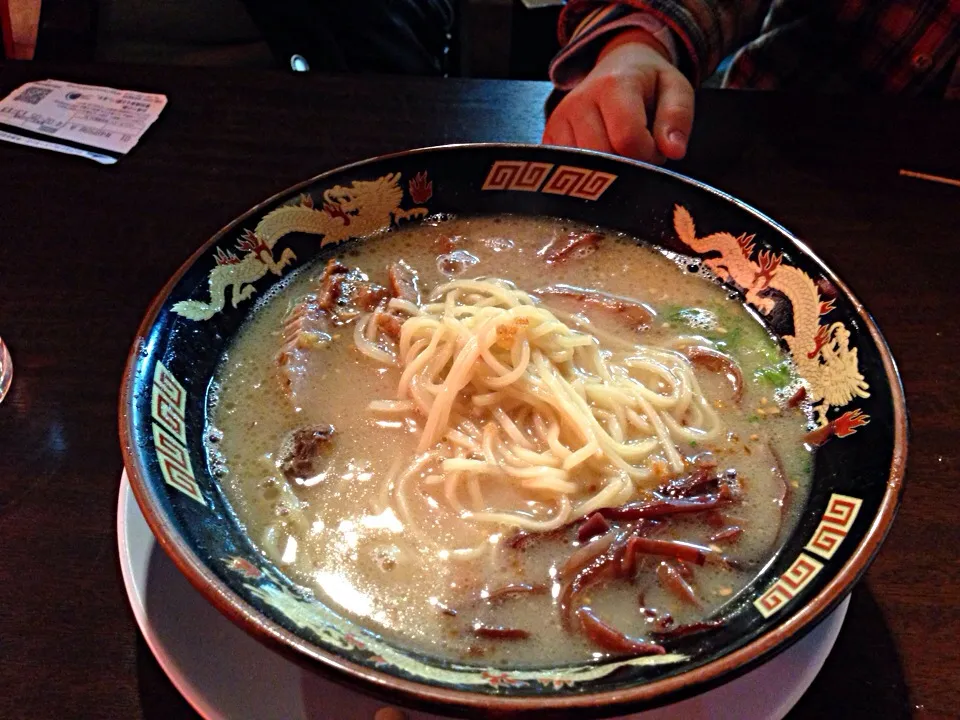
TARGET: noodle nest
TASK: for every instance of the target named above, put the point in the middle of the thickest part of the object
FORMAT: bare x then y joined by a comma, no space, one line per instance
530,417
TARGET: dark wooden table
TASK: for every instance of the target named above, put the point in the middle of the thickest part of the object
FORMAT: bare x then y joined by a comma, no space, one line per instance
83,248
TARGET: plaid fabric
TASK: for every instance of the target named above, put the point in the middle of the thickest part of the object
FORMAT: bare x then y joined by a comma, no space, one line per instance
899,46
598,26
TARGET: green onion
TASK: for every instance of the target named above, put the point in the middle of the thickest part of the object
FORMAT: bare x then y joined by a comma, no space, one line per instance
778,376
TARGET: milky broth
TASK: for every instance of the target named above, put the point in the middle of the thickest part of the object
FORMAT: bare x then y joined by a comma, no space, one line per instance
332,534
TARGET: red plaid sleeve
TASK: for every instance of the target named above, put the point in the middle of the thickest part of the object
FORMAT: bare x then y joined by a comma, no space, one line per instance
707,30
580,52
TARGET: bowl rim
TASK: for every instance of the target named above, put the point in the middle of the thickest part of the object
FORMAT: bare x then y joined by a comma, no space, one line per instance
414,693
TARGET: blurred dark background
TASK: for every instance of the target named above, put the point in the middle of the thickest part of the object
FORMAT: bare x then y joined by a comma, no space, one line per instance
490,38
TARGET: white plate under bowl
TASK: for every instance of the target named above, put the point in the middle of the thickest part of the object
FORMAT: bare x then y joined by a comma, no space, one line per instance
225,673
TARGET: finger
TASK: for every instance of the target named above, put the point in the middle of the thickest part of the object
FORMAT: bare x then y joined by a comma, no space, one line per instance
558,130
626,127
589,130
674,117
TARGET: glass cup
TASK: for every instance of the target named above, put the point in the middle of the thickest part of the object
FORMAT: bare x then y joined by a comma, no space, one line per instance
6,370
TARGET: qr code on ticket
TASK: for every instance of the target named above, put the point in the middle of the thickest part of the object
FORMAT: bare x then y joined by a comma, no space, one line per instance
33,95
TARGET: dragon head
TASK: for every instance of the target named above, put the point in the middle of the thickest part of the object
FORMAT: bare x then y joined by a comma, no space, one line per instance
366,194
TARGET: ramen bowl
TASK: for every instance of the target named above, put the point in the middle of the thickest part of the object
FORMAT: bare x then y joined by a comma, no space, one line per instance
857,474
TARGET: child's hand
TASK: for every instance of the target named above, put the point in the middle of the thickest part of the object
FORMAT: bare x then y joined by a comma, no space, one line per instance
611,109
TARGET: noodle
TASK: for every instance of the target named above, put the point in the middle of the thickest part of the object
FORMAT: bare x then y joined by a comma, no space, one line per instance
367,345
583,416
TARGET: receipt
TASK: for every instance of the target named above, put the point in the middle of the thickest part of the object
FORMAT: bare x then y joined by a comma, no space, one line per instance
97,117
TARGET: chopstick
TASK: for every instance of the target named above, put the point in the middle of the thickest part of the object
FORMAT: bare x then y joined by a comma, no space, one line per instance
931,178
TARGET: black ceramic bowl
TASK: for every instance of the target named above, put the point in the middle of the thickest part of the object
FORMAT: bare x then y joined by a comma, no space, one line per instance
835,343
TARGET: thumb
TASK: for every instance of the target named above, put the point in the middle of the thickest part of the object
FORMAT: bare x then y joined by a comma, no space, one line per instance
674,115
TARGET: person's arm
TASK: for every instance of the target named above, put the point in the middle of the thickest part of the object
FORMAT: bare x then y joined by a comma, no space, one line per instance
630,69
